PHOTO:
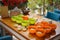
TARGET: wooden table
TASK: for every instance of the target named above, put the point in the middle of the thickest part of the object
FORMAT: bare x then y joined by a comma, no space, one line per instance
9,25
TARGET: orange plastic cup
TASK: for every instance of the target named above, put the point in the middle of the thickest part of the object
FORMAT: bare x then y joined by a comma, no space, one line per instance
53,26
25,17
32,29
40,32
47,29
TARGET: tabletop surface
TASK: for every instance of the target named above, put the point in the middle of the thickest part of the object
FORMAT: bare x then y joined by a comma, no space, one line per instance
8,22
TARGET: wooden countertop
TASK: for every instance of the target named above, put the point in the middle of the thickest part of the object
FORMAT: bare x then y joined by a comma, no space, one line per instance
10,24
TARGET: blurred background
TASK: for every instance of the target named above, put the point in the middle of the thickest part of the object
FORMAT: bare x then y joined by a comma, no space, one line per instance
42,6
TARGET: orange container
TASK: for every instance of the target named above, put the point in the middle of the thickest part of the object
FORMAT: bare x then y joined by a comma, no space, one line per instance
32,29
53,26
40,33
25,17
45,23
39,24
47,29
